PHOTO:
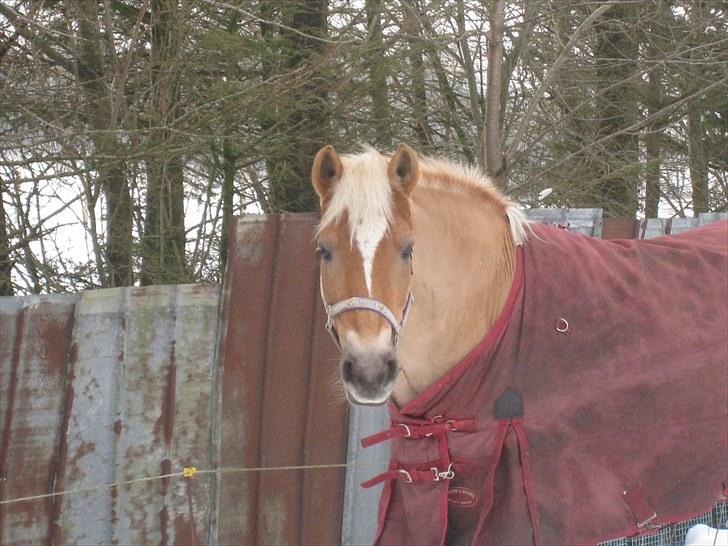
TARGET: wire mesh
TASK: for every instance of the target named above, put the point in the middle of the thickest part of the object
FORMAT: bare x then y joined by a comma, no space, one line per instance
674,534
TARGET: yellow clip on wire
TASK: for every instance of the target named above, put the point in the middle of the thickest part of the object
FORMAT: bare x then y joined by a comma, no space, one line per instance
189,471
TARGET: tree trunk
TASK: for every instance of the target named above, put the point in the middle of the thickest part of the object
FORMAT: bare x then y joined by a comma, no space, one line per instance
494,166
413,31
300,125
110,169
228,193
475,99
163,251
6,264
652,148
377,65
229,156
653,135
616,57
697,157
448,93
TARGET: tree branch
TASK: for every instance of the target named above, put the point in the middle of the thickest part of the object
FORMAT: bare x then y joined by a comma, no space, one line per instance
550,75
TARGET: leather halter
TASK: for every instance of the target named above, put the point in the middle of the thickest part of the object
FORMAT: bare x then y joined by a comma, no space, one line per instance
365,304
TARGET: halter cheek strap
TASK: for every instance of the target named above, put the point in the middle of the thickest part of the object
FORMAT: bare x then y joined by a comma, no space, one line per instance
365,304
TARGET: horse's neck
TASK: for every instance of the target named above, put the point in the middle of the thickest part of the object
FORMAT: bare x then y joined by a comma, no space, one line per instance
463,269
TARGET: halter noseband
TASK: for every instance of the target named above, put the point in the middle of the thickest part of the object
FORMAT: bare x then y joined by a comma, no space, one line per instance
366,304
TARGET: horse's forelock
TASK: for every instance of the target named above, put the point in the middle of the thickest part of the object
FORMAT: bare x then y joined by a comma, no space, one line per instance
363,193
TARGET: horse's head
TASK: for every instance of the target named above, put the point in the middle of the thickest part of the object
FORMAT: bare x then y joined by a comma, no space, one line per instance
365,243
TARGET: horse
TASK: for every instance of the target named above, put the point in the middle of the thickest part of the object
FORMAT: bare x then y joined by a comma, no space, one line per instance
534,377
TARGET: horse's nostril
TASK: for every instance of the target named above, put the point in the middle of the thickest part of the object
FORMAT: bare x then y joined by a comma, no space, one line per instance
347,370
391,369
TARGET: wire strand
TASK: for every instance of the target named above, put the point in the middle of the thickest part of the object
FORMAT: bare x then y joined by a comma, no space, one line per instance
103,486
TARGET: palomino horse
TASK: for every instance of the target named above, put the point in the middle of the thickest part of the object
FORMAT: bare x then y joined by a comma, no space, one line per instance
544,387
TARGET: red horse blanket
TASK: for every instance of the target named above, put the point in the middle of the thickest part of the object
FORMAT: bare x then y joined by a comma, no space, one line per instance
597,406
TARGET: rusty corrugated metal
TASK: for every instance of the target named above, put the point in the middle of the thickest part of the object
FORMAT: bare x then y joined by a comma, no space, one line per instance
113,386
34,340
618,228
140,404
277,407
584,221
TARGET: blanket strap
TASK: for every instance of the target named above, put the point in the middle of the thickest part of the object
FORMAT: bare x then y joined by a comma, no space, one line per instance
414,431
641,509
412,475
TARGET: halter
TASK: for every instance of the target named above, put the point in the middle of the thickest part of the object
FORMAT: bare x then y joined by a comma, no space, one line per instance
365,304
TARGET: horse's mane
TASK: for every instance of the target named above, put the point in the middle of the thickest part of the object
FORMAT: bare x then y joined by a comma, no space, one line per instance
468,180
365,195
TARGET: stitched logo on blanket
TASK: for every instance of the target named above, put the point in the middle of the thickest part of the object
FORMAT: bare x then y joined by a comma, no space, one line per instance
462,496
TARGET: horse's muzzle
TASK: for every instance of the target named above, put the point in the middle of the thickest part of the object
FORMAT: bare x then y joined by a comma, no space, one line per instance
369,379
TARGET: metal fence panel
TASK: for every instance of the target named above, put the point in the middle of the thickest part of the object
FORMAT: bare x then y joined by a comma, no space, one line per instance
34,337
584,221
140,405
361,505
277,408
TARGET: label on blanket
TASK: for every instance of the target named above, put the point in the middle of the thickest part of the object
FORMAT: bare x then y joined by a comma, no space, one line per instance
462,496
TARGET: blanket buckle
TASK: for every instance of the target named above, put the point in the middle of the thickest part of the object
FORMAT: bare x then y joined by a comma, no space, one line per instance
405,476
407,430
438,475
647,523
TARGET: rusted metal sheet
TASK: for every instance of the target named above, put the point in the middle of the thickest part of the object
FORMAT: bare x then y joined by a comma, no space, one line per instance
34,338
117,386
139,404
618,228
277,407
584,221
656,227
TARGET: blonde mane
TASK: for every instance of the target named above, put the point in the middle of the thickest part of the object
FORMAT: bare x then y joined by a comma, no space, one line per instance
470,181
365,194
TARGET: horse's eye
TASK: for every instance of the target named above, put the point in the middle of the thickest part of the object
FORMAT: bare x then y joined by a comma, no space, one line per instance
407,251
324,252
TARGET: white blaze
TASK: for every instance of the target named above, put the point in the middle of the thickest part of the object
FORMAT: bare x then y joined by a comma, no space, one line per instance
367,238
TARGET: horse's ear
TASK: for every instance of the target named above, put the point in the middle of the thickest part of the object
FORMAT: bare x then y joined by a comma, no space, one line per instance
404,169
326,170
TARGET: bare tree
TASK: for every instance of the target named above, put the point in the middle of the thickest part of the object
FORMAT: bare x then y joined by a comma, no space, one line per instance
492,137
138,130
163,252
